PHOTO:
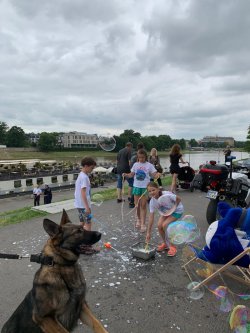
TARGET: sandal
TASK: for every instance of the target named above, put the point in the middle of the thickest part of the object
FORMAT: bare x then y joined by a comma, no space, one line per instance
143,228
162,247
172,251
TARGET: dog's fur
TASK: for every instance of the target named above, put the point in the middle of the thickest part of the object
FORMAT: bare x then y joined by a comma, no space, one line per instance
57,299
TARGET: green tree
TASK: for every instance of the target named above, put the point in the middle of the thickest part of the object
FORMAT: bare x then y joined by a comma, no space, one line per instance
131,136
247,145
193,143
3,132
128,135
47,141
239,144
149,142
164,142
181,142
16,137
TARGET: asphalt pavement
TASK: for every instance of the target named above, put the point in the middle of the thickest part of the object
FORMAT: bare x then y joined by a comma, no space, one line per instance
128,295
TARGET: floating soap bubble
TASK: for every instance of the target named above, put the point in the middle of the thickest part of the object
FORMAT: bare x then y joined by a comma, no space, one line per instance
239,319
97,199
184,231
166,206
245,297
224,297
197,293
107,142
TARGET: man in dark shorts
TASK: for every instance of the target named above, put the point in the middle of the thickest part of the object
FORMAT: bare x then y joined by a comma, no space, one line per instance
123,166
227,153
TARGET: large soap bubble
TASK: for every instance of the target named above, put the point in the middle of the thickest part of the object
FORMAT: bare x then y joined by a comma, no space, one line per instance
183,231
190,219
107,142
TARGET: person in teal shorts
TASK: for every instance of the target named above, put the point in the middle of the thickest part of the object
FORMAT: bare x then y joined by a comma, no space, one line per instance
142,171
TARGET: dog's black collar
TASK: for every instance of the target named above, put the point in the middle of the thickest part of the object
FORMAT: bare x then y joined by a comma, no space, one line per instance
38,258
41,259
48,261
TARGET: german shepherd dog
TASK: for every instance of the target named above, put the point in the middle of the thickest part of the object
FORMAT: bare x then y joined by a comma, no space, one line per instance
57,299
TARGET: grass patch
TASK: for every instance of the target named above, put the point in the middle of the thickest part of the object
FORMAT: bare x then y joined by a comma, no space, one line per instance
166,181
57,155
108,194
63,155
19,215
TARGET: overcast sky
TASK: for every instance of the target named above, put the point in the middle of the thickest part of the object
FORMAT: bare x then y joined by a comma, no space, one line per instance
180,68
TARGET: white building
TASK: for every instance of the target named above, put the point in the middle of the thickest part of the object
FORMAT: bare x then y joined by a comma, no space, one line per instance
226,140
79,140
33,137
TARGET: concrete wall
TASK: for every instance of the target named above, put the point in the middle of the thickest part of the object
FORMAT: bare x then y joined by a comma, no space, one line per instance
10,149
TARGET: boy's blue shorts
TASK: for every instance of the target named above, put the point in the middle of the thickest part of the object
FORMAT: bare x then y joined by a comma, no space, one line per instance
119,181
83,217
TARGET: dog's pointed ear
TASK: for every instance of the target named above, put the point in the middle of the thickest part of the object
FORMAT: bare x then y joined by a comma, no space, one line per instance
51,227
65,219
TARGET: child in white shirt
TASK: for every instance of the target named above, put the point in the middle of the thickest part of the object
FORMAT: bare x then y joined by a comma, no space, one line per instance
83,200
171,210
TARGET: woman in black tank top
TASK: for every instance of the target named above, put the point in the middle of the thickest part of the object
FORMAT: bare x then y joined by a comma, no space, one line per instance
175,159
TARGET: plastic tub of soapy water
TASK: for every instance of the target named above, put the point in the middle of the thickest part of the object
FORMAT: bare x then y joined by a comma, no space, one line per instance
143,250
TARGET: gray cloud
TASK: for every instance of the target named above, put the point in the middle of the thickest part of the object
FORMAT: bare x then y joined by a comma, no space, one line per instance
71,11
177,67
236,85
202,35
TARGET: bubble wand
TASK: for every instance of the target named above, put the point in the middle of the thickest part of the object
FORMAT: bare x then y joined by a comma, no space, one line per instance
123,182
137,203
109,246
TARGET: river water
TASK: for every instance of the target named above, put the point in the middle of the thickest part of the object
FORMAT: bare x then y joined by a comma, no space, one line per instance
195,159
